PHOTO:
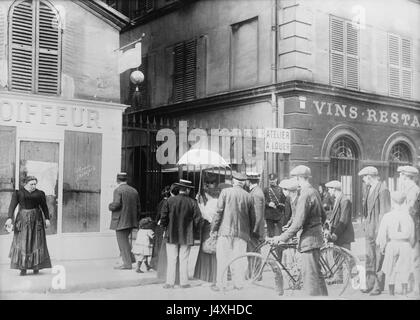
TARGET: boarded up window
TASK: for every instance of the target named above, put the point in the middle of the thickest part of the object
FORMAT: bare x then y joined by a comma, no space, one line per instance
244,54
344,54
185,71
399,66
7,171
35,47
82,181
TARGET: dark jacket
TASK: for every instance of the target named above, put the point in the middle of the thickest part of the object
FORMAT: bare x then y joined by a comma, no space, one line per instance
375,206
180,216
274,194
341,224
125,207
235,216
259,206
309,217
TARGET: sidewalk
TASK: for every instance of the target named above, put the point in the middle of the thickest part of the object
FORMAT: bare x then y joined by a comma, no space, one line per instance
73,276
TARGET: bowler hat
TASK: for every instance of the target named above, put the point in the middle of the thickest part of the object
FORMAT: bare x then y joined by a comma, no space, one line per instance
301,170
184,183
239,176
368,171
335,184
289,184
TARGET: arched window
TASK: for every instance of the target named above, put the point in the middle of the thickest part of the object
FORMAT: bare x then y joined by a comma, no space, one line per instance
400,155
34,47
344,166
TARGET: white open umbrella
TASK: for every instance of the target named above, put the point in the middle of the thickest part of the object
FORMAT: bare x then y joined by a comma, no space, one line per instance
203,158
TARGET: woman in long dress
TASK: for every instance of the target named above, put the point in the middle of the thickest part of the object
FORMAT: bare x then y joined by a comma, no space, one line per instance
29,247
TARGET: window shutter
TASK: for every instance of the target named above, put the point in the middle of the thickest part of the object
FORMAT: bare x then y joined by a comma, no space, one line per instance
21,48
202,66
48,50
337,52
406,64
178,77
352,57
394,65
190,70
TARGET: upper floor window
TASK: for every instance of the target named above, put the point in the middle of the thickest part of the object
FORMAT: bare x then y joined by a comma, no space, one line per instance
185,71
344,53
400,64
34,47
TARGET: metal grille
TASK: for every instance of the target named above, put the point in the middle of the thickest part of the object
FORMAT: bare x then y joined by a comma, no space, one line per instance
344,166
400,155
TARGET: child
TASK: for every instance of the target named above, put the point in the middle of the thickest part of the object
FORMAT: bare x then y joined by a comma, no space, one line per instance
143,247
395,238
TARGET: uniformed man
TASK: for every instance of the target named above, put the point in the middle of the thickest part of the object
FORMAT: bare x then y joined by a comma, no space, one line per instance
274,206
376,202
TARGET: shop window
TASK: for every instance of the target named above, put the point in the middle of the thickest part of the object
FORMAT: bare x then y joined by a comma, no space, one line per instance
400,155
34,47
344,53
82,182
244,54
400,66
185,71
344,166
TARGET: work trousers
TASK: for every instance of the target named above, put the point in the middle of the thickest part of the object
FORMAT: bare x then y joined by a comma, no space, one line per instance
375,278
228,248
173,251
123,239
273,227
313,281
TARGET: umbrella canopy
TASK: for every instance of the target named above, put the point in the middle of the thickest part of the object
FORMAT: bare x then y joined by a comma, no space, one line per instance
204,158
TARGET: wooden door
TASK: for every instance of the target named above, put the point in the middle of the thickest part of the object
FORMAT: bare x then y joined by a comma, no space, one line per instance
82,181
7,171
40,159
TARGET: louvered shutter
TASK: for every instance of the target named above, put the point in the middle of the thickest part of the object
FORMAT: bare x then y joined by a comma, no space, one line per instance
394,65
22,43
352,56
190,70
150,5
406,64
48,50
178,76
337,52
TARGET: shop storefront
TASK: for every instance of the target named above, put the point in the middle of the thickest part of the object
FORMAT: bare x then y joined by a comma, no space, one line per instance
74,149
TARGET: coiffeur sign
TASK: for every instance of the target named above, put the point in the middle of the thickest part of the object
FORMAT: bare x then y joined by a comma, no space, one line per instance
48,114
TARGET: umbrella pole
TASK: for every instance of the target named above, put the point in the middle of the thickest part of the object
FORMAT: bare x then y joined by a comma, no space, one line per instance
199,186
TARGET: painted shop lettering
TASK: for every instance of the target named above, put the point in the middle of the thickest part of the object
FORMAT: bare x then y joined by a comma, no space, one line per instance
23,112
369,115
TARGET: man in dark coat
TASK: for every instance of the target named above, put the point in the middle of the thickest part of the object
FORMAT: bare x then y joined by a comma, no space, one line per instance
274,207
180,216
308,220
258,233
341,228
126,211
376,202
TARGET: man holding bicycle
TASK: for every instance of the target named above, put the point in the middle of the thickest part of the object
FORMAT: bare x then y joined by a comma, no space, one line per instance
309,218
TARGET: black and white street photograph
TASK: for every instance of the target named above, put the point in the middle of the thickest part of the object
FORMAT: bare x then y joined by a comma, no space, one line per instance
214,150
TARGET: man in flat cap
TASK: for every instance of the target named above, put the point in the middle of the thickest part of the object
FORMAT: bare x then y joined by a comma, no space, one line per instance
126,211
290,189
252,182
376,202
309,218
274,206
341,228
411,191
180,217
233,224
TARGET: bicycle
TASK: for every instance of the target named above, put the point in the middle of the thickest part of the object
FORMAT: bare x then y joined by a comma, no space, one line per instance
270,264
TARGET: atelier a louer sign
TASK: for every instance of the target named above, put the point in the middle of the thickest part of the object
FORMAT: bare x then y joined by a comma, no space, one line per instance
277,140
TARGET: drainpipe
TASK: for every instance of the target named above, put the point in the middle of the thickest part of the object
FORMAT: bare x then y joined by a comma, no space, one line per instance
274,68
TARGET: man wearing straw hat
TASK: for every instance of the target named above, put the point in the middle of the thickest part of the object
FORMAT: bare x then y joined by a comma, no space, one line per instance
411,191
376,202
309,218
341,230
180,217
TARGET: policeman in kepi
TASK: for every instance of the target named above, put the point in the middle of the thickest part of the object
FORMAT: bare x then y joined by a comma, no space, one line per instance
274,206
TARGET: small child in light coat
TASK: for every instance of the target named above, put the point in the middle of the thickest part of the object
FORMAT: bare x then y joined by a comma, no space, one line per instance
143,246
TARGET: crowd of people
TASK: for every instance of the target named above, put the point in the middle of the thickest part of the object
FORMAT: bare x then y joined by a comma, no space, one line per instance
231,218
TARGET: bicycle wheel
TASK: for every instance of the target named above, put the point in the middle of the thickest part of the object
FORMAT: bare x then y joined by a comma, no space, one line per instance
253,271
291,260
336,269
